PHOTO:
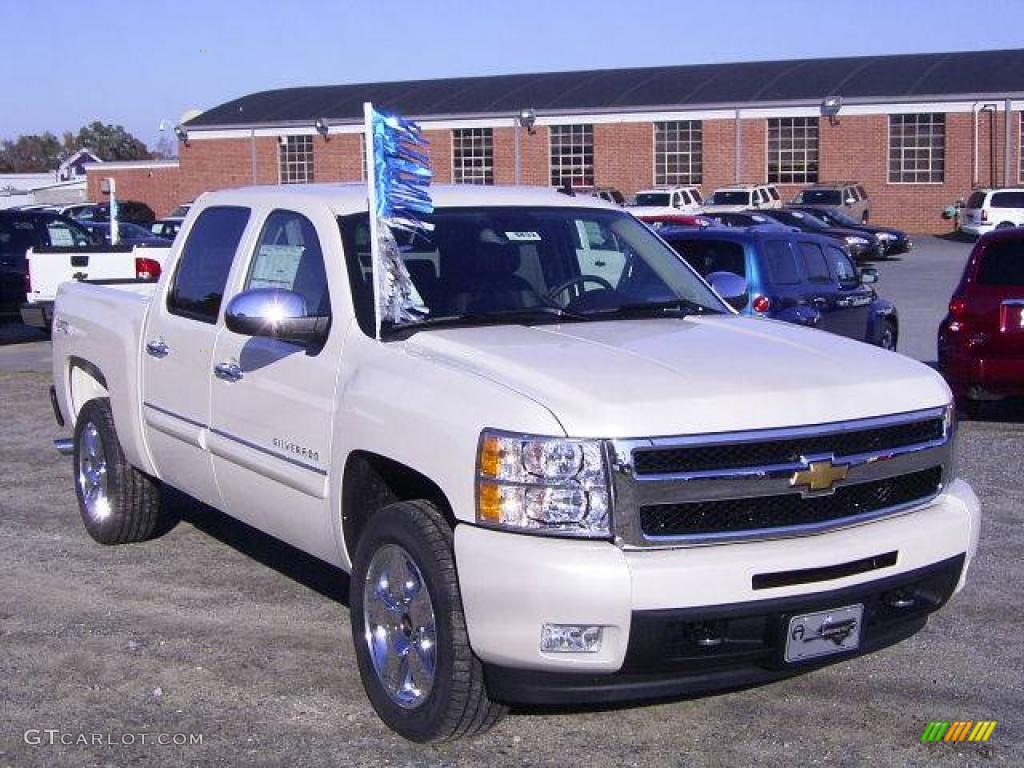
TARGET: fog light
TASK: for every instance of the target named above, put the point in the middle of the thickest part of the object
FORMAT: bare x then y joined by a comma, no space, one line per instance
570,638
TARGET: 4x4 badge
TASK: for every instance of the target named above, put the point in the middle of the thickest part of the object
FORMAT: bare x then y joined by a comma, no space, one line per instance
819,475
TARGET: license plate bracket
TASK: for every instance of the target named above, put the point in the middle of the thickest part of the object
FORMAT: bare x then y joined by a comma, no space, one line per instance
823,633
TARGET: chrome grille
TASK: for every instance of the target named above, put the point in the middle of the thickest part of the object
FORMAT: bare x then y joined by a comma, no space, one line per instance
741,486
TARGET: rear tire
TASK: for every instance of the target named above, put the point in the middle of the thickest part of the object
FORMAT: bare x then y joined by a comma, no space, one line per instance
119,504
1005,225
409,629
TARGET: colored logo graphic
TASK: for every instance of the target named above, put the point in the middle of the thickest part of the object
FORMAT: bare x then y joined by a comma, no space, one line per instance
958,730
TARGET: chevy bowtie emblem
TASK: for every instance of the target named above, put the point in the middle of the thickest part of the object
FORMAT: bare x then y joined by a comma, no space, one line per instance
819,475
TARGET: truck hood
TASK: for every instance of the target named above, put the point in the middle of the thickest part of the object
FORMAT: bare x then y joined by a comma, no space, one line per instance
638,378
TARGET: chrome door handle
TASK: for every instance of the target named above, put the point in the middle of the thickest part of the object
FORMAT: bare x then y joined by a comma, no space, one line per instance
157,348
227,371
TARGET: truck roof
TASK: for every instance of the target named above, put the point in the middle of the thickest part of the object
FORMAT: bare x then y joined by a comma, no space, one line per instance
345,199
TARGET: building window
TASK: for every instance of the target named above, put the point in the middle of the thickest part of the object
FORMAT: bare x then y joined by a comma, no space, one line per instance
296,159
678,152
572,155
793,150
473,156
917,149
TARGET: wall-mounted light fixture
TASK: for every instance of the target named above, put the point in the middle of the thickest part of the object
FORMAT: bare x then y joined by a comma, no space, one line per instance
182,134
830,108
528,119
322,127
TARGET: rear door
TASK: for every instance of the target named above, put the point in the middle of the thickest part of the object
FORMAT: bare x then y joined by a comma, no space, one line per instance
853,300
820,289
273,401
996,299
177,354
1007,208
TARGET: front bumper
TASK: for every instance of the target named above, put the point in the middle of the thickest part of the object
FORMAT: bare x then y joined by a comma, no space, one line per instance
38,315
513,584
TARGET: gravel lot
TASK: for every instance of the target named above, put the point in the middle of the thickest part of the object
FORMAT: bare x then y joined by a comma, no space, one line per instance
217,630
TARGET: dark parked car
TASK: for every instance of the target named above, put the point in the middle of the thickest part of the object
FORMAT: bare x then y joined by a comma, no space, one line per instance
127,233
795,277
862,246
847,196
741,219
127,210
981,340
21,230
891,241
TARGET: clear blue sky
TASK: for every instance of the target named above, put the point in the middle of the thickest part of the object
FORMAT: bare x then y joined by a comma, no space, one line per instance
137,62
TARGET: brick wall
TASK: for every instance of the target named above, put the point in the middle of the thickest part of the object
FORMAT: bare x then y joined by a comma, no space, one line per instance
856,148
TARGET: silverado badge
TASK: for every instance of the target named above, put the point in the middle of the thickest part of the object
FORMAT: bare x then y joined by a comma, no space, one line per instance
819,476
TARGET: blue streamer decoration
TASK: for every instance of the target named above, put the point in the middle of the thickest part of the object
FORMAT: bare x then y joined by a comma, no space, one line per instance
401,179
402,172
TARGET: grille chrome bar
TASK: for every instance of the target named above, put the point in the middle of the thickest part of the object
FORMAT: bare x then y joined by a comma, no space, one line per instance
632,491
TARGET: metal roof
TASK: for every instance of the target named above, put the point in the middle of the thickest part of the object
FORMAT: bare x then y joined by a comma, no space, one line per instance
793,82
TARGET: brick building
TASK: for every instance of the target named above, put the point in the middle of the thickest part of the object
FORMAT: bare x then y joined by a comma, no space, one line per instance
918,131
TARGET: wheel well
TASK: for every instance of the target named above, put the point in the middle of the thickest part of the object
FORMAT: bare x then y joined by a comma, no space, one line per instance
86,383
371,482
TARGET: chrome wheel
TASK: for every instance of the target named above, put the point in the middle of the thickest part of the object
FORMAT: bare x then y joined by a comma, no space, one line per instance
399,626
92,474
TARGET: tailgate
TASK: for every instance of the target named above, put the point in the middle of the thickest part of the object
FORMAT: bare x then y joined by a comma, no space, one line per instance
50,267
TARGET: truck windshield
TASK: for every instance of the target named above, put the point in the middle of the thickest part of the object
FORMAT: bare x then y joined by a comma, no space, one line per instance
652,198
820,197
530,265
734,197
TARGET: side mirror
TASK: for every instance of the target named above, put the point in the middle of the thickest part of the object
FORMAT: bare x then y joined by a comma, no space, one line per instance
276,314
850,201
868,275
731,287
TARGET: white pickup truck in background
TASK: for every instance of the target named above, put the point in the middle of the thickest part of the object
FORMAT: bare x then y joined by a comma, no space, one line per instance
574,476
109,265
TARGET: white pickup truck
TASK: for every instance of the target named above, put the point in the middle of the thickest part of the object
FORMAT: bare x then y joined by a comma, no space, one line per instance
551,487
108,265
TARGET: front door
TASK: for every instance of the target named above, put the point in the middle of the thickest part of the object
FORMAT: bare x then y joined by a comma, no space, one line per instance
177,353
854,299
273,401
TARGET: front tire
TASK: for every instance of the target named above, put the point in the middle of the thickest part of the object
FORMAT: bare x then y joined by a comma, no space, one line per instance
409,629
119,504
889,337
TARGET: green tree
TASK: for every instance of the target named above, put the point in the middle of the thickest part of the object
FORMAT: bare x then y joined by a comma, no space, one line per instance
110,142
33,153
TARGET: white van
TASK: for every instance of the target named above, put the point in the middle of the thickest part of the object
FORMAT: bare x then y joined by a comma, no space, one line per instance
989,209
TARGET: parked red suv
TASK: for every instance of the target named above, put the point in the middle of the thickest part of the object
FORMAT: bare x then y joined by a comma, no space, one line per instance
981,341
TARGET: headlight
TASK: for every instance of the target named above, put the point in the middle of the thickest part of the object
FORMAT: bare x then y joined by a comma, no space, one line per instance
884,236
547,485
854,240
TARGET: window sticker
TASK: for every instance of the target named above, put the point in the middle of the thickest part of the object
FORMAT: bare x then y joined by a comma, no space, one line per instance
275,266
523,237
60,236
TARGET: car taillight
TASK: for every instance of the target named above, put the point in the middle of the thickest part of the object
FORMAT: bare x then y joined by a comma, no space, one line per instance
147,269
958,307
28,283
761,304
984,214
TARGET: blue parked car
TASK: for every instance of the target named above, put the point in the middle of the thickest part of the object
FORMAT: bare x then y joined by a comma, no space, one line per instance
792,276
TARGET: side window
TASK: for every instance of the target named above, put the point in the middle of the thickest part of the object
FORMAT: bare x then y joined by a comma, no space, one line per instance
16,237
707,256
1008,200
62,233
601,253
781,263
814,263
842,267
861,192
288,256
205,262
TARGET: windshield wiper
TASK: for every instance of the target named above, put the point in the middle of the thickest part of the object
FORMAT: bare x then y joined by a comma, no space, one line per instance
673,308
521,316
